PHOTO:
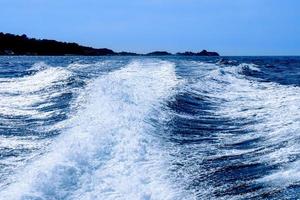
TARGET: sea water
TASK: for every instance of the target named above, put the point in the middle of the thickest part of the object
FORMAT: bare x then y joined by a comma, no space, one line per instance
149,128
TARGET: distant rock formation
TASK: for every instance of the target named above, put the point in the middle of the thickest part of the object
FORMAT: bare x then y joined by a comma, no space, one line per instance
124,53
159,53
202,53
207,53
187,53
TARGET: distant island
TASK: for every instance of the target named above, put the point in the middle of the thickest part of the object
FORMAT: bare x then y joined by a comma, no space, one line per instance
11,44
202,53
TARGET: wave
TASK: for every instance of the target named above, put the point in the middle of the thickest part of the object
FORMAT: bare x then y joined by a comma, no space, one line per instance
21,96
106,150
256,127
29,104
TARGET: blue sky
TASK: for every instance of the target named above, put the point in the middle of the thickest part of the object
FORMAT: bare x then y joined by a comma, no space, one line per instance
231,27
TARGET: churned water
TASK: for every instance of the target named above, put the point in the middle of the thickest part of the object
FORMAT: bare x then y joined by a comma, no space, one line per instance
149,128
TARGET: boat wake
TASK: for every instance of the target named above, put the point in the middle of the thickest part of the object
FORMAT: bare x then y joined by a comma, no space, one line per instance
169,128
107,150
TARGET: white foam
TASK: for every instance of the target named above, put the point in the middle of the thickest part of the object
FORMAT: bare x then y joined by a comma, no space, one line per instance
40,80
250,66
274,109
107,152
18,96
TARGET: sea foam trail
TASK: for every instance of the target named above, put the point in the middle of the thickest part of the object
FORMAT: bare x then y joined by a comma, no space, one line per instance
267,122
106,150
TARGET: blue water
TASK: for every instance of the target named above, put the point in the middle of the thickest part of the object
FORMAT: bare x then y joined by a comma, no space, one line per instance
149,128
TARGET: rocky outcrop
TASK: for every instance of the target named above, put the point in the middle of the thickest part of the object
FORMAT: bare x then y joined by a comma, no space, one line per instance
207,53
124,53
159,53
187,53
202,53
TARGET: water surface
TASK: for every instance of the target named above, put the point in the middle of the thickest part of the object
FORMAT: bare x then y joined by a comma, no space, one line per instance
149,128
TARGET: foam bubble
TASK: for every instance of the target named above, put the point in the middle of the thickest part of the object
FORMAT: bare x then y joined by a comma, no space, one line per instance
107,152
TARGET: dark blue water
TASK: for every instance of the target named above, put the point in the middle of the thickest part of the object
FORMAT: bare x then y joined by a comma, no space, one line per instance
149,128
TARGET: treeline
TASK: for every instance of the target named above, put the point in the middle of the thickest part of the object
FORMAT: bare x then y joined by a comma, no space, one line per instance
22,45
11,44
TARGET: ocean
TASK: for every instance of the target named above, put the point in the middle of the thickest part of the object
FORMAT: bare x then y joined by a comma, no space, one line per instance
141,128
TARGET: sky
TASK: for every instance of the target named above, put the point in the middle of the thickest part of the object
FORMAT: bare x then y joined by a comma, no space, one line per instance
231,27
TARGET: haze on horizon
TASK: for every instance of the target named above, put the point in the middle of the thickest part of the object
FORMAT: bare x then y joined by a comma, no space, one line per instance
245,27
